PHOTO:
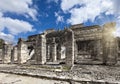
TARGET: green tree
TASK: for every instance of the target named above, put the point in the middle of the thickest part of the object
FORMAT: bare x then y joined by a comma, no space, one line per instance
1,43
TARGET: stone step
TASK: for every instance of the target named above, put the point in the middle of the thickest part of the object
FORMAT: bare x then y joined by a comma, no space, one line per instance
88,62
52,63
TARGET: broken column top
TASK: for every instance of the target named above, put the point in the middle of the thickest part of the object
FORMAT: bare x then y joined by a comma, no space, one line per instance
81,26
50,30
111,26
77,26
21,40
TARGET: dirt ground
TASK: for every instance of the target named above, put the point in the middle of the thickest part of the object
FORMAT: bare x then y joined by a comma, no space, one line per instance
6,78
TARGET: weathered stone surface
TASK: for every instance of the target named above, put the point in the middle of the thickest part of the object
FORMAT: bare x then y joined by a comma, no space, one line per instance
77,44
23,52
0,54
78,51
40,49
6,54
54,51
83,74
69,47
110,44
14,55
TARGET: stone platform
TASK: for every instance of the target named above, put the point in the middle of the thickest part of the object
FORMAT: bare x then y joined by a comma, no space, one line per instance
80,74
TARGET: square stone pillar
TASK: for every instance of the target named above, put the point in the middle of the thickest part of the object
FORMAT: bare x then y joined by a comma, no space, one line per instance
48,52
12,56
15,55
54,52
22,52
7,53
58,52
75,50
40,49
69,37
110,45
43,49
99,50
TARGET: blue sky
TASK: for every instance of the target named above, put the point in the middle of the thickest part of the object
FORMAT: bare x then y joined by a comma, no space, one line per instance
21,18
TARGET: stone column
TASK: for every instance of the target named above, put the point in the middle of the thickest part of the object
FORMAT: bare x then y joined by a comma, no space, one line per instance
69,37
109,41
37,48
48,52
23,52
54,52
43,49
99,51
75,49
19,53
1,55
7,53
58,52
12,56
40,49
4,52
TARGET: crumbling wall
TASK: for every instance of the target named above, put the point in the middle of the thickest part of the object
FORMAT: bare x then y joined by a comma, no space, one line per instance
62,45
87,45
23,52
7,53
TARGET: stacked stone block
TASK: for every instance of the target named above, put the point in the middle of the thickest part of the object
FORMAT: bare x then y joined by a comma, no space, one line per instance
14,53
110,45
69,37
6,55
92,44
40,49
23,52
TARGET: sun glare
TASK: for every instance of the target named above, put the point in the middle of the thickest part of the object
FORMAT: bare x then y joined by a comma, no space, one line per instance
114,33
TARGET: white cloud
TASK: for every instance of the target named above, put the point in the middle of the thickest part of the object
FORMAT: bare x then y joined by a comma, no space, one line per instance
7,37
117,33
19,7
67,4
116,6
87,10
83,10
59,18
15,26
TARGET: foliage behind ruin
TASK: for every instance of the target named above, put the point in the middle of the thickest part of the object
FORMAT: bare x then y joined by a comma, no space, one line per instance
1,43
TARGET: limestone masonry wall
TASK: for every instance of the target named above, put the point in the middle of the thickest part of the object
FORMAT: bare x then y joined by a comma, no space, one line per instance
78,44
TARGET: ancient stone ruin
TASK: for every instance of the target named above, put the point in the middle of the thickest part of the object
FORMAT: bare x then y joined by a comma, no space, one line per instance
77,44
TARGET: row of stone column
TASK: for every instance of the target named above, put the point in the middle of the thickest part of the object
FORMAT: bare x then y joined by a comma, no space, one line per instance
42,52
53,52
